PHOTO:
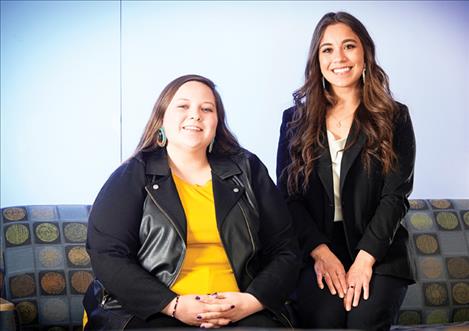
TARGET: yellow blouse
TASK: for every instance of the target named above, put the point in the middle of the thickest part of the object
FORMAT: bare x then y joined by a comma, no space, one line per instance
206,268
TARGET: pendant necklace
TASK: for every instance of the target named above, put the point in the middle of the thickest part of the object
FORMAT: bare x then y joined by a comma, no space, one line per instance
339,121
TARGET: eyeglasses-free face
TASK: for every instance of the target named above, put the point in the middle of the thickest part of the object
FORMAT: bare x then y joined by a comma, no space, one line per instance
341,57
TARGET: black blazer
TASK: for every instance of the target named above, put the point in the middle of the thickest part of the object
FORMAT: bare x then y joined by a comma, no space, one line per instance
373,204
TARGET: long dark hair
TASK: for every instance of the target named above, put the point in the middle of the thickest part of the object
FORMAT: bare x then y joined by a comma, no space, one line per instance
225,141
307,128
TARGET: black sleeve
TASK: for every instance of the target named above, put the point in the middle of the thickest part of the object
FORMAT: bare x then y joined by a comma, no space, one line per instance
398,184
277,279
113,243
306,229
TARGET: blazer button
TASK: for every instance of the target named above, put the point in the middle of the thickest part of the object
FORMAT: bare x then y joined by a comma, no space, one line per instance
156,186
236,190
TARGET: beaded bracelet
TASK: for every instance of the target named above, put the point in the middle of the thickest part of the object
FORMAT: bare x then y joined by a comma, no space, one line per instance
173,315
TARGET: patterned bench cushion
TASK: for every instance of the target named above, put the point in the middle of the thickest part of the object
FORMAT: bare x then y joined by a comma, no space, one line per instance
439,236
46,267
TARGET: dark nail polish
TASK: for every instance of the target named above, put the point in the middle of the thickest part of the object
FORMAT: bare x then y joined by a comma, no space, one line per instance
197,298
199,317
232,306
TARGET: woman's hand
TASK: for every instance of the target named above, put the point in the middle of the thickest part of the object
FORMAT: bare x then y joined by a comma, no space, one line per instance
328,267
241,305
358,279
189,308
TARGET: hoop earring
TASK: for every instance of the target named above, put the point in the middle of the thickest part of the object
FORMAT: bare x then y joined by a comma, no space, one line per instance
323,83
161,139
210,147
363,75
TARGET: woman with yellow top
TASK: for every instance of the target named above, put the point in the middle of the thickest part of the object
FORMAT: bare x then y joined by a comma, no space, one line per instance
191,230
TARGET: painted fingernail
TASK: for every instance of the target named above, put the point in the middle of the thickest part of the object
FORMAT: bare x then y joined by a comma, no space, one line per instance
197,298
232,306
199,317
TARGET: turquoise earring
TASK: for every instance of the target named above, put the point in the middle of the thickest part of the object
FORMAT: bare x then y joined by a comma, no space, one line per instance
161,139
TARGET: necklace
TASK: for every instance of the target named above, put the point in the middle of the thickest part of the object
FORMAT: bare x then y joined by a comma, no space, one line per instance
339,121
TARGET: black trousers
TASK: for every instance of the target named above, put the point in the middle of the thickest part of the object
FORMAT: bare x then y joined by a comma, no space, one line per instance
318,308
262,319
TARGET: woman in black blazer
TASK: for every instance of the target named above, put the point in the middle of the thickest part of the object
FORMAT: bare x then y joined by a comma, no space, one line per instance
345,164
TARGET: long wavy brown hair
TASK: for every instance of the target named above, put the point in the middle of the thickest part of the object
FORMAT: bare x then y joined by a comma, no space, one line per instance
225,141
307,130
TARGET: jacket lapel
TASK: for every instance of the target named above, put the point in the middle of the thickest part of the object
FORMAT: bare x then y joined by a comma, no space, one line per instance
351,153
163,191
324,169
164,194
226,193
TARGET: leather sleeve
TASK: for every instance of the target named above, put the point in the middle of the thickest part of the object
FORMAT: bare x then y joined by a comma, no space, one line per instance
113,243
393,204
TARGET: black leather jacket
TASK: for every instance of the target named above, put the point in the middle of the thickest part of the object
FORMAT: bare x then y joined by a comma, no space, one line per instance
137,233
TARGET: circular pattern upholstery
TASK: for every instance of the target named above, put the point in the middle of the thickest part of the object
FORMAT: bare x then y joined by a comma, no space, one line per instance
437,316
447,220
461,293
426,243
431,267
466,218
78,256
458,267
75,232
461,315
417,204
27,311
46,232
22,286
410,317
436,294
80,281
45,264
440,203
52,282
54,309
17,234
50,257
421,221
14,214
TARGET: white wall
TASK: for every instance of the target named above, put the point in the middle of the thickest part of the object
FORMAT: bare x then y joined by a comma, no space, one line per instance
70,70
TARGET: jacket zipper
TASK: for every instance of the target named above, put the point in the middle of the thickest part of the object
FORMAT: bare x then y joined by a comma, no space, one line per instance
177,231
251,238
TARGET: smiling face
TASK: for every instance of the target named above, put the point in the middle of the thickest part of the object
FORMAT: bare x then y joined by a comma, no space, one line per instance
341,57
191,119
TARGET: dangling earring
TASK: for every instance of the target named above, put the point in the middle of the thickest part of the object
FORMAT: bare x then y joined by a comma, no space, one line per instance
161,139
363,75
323,83
210,147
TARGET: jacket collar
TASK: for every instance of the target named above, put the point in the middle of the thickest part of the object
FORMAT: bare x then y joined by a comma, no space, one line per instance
156,163
164,192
